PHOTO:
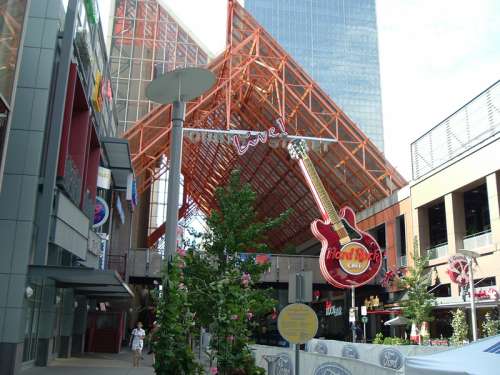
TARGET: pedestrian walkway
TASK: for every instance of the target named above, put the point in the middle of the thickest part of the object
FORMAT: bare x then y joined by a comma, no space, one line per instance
96,364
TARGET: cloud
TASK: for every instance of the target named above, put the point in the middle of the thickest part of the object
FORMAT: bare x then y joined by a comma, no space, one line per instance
435,56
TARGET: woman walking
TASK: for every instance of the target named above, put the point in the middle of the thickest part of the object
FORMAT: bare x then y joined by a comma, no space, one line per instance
137,339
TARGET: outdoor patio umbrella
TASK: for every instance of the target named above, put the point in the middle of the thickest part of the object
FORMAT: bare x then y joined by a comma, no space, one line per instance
479,358
398,321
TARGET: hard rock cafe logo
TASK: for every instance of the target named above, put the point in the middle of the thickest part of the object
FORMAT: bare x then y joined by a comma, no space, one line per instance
332,310
280,364
391,358
354,258
321,348
331,368
350,351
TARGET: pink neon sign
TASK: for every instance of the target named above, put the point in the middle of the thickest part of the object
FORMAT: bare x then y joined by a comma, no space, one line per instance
273,132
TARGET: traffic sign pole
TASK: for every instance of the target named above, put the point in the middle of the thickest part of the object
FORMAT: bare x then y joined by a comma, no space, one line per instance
353,303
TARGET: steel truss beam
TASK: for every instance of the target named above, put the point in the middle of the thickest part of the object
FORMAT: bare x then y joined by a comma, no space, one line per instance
257,84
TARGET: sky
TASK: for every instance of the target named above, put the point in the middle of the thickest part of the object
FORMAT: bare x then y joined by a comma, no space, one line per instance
435,55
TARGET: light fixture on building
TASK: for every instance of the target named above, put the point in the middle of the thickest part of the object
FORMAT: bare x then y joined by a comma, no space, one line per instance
88,307
76,304
58,300
29,292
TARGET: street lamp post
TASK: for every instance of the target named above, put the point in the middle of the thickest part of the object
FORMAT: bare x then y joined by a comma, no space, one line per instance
470,255
177,87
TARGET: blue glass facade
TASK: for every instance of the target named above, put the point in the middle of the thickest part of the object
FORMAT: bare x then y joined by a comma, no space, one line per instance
335,41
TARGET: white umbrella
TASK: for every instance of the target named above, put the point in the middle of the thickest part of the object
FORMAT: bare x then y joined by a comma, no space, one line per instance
479,358
398,321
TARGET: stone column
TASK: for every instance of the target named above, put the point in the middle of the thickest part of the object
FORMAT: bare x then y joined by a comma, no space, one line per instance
79,327
421,229
67,324
493,187
455,221
46,323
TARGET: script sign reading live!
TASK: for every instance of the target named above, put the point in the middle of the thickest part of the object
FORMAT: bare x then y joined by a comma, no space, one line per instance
297,323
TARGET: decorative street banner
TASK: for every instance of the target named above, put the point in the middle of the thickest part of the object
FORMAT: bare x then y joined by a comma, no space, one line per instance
458,269
278,361
131,194
386,356
101,212
104,178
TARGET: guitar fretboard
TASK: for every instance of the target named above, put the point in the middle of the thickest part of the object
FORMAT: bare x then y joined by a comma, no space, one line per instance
323,198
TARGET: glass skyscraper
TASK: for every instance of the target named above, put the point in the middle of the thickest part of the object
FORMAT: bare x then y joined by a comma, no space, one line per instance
147,40
335,41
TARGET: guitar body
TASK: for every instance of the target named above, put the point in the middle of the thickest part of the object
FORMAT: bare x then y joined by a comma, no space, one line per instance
352,264
349,257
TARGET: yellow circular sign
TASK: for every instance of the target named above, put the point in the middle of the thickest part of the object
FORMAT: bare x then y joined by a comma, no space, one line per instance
354,258
297,323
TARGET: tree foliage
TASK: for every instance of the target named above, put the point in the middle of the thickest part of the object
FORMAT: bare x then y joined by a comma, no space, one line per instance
491,326
221,283
173,355
420,302
460,327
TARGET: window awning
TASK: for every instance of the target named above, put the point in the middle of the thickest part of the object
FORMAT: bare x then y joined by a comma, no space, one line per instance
117,152
86,281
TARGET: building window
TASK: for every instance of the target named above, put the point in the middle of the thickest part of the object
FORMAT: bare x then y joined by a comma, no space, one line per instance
437,225
379,234
477,214
401,235
486,282
442,290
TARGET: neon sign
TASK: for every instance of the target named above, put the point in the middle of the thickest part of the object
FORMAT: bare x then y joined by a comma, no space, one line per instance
262,137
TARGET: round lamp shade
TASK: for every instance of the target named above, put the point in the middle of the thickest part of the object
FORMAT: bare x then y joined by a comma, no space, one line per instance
180,85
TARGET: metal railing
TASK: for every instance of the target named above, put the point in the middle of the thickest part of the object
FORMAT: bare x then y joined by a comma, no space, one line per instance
144,263
117,263
476,240
282,266
148,263
439,251
475,122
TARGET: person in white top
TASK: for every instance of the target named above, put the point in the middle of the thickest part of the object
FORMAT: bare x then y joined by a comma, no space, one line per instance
137,340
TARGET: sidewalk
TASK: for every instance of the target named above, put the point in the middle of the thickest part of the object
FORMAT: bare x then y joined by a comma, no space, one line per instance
95,364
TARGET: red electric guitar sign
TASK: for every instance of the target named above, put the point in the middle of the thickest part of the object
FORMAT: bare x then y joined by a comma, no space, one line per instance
349,257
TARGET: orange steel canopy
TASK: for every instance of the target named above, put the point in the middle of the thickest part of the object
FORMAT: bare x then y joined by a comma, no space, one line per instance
258,83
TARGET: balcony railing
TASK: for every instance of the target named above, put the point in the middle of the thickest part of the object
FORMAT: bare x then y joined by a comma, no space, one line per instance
144,263
148,263
282,266
475,122
439,251
117,263
476,240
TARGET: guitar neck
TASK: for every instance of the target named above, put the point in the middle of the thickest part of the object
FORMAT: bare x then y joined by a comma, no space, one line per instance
320,194
323,199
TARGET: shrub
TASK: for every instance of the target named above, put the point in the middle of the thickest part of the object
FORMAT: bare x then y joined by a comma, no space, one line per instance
491,327
460,328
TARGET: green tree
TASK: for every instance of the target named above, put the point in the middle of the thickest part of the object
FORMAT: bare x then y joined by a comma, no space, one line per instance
420,302
460,327
173,355
491,327
221,283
